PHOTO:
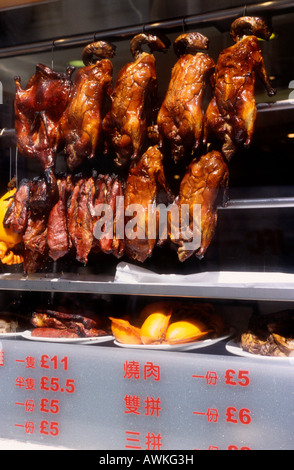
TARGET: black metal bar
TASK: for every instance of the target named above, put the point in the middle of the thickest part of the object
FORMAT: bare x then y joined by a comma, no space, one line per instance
202,19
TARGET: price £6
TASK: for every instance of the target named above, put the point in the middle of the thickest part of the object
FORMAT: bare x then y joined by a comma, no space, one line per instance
234,416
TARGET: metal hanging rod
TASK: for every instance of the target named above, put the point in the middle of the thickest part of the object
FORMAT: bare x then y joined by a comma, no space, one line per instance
260,203
202,19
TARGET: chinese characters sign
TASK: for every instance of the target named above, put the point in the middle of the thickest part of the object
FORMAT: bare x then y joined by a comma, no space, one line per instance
97,397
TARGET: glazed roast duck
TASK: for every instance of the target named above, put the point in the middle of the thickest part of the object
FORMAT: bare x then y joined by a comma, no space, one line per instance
80,127
180,118
134,100
231,114
38,110
146,179
205,184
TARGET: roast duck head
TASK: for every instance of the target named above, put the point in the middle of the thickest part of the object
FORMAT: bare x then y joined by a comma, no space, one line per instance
96,51
155,42
250,25
190,43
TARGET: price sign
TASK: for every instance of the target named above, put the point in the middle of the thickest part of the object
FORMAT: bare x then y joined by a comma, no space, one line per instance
36,404
99,397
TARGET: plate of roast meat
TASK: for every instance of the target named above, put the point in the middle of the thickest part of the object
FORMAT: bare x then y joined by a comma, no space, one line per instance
269,336
56,326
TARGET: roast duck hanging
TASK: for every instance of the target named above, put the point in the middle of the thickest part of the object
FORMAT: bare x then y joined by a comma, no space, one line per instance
56,215
134,100
80,127
231,114
38,110
180,118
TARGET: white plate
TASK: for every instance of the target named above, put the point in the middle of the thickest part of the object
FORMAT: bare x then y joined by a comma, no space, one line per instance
11,335
234,348
93,339
177,347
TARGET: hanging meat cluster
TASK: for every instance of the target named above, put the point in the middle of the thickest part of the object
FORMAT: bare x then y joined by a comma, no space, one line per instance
90,117
51,231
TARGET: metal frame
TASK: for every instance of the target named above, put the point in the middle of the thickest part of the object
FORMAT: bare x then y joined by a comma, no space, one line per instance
202,19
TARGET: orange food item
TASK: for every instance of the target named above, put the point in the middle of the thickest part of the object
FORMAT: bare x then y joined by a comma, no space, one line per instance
124,332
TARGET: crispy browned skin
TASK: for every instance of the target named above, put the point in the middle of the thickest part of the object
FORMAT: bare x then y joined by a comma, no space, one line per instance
80,220
57,233
180,118
38,109
81,125
108,189
50,322
142,186
202,184
35,235
134,99
231,114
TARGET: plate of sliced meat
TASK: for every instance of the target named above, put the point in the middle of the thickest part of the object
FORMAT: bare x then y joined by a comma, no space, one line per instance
57,326
62,336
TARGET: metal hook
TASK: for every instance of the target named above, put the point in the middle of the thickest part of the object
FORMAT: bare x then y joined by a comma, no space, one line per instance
245,10
52,54
183,24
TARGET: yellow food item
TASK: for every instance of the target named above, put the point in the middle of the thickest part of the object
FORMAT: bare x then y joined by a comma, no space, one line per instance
185,331
154,328
163,306
7,236
124,332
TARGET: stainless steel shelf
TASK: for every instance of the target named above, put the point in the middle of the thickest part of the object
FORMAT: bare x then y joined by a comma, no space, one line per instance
209,285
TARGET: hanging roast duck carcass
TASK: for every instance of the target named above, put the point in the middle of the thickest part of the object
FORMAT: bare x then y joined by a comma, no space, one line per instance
204,186
38,109
180,118
80,128
134,100
231,114
146,179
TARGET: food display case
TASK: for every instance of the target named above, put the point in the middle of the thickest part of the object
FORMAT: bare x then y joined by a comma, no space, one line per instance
152,346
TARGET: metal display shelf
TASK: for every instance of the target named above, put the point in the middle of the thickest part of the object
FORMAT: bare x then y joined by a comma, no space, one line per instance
268,286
